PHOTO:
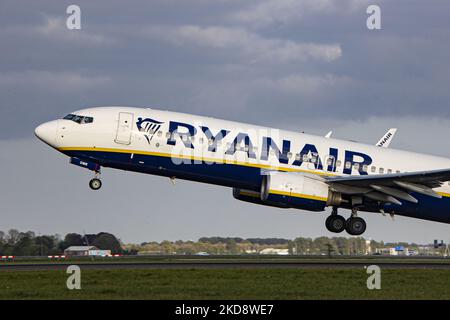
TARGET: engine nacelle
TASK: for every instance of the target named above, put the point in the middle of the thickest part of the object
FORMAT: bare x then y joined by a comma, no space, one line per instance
255,198
298,190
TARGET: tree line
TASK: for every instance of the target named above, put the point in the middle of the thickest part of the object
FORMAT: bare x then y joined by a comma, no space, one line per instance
233,245
16,243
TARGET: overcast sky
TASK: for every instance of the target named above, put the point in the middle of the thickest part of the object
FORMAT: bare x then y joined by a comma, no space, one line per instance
307,65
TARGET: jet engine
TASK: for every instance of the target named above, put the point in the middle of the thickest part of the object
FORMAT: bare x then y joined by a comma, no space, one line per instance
255,198
298,190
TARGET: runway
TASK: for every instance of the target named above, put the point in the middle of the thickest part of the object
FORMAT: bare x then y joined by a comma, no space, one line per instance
225,265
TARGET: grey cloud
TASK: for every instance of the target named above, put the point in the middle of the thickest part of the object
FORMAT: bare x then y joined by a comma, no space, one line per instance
254,47
62,82
320,64
280,12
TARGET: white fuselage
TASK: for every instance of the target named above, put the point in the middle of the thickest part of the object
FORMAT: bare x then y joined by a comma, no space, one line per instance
241,156
102,133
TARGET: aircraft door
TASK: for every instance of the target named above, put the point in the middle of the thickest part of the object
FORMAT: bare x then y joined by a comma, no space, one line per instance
124,128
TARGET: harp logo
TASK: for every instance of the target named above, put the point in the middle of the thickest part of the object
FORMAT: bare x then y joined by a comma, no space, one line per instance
149,127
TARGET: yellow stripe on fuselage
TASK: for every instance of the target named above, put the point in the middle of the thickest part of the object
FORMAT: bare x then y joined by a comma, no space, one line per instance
189,157
212,160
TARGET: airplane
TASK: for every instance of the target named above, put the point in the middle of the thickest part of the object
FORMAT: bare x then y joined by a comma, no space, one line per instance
265,166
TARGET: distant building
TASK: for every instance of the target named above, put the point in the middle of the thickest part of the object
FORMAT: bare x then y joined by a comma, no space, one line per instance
201,254
282,252
397,251
368,248
99,253
86,251
79,251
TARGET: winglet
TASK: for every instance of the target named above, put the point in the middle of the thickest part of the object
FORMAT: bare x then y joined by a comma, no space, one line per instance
328,135
386,140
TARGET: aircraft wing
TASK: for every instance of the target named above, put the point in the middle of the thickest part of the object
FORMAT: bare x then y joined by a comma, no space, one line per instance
391,188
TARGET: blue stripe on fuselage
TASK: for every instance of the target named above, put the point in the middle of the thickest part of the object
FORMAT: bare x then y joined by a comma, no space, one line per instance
239,176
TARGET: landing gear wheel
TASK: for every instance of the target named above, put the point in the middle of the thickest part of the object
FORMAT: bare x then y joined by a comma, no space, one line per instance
335,223
95,184
355,226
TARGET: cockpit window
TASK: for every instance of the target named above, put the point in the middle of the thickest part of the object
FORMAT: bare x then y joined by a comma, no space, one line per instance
69,117
79,119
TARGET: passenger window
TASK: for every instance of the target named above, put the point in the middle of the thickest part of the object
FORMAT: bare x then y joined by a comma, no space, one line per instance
365,168
348,165
167,135
289,155
297,157
159,134
398,171
338,163
356,166
373,169
389,171
381,170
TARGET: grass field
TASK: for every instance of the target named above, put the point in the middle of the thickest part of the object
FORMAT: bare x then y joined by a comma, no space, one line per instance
226,284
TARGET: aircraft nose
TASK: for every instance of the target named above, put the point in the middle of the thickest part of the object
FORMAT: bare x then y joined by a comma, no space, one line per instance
47,132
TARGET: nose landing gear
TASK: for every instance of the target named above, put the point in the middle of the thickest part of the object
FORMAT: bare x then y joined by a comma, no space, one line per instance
354,225
96,183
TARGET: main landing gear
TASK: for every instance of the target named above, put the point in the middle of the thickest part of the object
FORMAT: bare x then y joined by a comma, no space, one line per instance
354,225
96,183
335,223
